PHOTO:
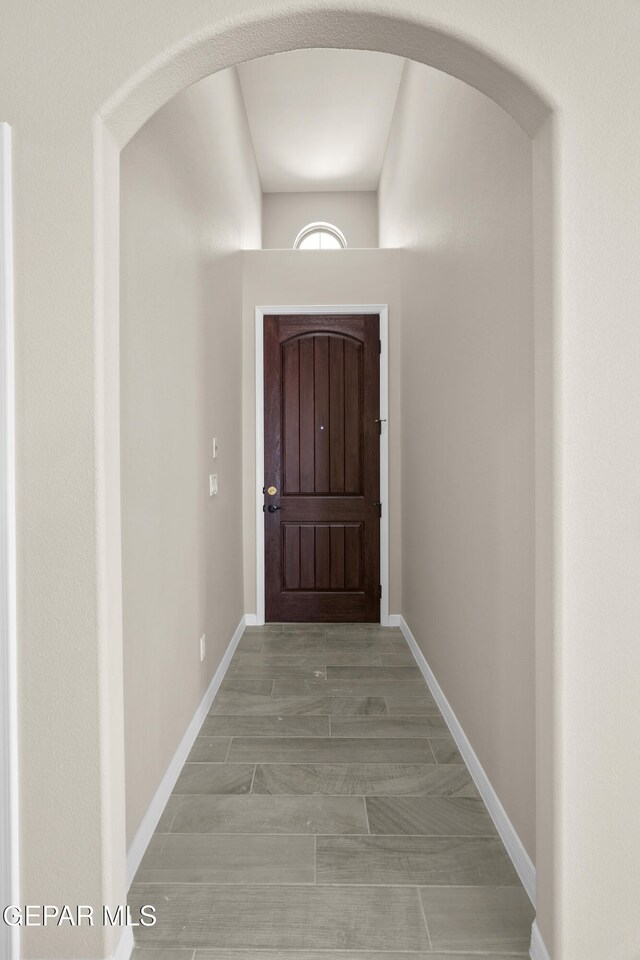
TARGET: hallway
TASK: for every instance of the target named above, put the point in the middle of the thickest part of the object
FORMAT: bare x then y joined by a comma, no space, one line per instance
325,812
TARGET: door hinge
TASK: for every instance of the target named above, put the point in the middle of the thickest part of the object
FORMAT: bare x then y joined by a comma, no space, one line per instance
380,591
379,507
379,346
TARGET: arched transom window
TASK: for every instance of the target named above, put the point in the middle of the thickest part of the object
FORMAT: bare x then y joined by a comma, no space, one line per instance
320,236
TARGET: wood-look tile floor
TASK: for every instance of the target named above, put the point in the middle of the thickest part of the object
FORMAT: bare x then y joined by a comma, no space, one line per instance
325,813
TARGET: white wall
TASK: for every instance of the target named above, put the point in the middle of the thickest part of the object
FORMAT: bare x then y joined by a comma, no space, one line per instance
190,201
281,277
456,192
353,212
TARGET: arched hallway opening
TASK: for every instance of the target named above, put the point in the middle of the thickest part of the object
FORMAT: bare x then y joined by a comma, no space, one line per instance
440,230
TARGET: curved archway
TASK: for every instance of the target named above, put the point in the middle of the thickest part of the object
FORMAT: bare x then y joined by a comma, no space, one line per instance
255,35
225,44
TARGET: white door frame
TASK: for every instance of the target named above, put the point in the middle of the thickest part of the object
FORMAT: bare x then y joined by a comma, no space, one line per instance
8,674
382,310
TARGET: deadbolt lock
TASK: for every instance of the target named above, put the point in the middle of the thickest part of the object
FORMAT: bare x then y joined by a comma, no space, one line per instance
272,491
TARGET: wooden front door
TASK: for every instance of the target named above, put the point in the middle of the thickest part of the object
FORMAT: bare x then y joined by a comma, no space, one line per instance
322,468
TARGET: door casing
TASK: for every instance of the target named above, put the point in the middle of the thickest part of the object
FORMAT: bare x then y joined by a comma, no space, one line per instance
383,311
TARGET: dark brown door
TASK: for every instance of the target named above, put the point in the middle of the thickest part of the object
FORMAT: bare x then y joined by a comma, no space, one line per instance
322,458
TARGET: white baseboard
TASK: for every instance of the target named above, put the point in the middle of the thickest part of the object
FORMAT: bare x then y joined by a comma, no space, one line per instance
537,950
519,856
125,946
150,821
395,620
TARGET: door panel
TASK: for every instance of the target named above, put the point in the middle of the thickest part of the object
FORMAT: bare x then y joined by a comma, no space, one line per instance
322,454
322,415
322,556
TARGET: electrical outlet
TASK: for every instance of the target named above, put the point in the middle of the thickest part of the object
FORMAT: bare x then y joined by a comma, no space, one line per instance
203,647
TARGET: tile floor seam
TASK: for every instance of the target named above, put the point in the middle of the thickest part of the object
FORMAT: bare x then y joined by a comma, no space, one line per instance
287,953
236,833
424,914
331,885
339,718
253,778
366,813
372,796
229,750
175,814
359,739
337,763
433,754
244,883
406,836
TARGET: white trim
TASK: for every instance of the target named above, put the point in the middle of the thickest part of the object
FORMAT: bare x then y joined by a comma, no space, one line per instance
382,309
538,950
259,469
125,945
251,620
9,884
149,823
384,464
395,620
519,856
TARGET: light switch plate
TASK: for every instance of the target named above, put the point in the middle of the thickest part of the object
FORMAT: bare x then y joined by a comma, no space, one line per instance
213,484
